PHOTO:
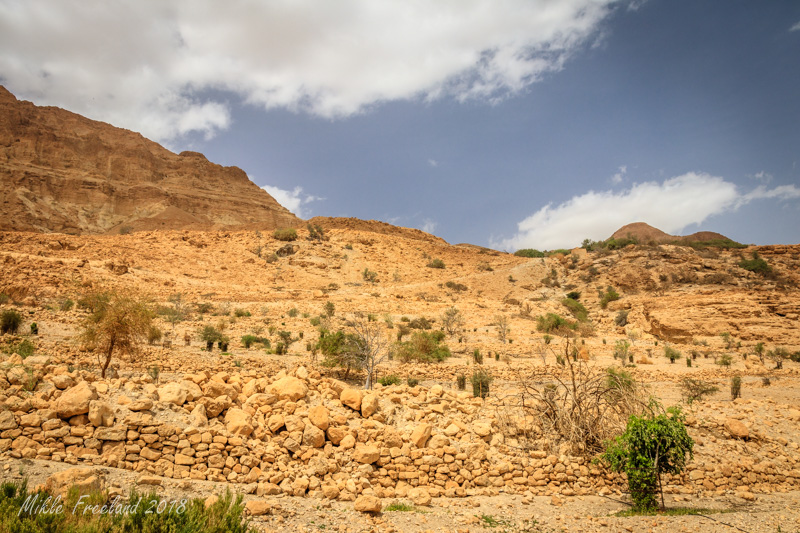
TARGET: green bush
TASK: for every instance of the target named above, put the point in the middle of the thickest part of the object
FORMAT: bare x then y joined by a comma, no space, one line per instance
725,359
420,323
480,384
435,263
315,232
458,287
696,389
424,347
651,445
10,321
389,380
210,334
153,514
609,296
66,305
24,348
154,334
369,276
293,312
412,382
477,357
529,252
621,350
756,264
574,295
736,387
286,235
576,308
553,323
242,312
461,382
621,319
330,308
672,354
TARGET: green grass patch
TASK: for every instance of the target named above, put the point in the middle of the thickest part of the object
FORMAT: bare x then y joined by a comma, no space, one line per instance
399,507
673,511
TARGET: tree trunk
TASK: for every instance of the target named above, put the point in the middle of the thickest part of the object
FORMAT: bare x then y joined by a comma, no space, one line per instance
108,358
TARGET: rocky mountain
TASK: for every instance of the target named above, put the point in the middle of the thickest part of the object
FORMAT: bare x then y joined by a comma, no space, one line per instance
61,172
645,233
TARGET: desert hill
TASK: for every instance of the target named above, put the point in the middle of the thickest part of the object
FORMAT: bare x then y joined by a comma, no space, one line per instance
61,172
645,233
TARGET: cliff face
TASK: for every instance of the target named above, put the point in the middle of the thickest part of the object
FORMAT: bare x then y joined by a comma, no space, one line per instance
61,172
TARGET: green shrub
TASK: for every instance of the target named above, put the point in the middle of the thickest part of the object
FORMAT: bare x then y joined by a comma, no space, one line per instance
210,334
696,389
4,298
242,312
736,387
10,321
154,334
756,264
286,235
315,232
153,513
574,295
576,308
725,359
651,445
461,382
24,348
389,380
435,263
424,347
420,323
293,312
369,276
34,328
621,350
672,354
315,321
458,287
248,340
66,305
477,357
621,319
609,296
330,308
480,384
412,382
553,323
529,252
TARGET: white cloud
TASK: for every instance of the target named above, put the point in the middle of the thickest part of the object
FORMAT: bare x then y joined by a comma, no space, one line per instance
617,178
434,163
158,66
428,226
762,176
293,200
669,206
796,27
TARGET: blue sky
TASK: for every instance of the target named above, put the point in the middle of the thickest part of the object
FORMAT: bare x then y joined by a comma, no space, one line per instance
513,123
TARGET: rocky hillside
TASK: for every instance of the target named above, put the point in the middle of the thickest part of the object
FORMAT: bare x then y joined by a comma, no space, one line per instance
61,172
645,233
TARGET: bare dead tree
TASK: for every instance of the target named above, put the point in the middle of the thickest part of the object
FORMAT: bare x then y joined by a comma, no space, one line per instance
371,345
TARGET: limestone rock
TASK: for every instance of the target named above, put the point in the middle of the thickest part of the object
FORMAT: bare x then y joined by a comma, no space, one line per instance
238,422
289,388
174,393
101,413
319,416
419,496
420,435
367,504
736,429
85,479
313,436
351,398
366,454
7,420
75,400
369,405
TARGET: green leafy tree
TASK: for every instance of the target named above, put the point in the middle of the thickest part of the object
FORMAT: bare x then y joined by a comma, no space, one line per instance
651,445
118,324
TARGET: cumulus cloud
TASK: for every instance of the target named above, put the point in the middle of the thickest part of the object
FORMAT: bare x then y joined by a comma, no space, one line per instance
428,226
160,66
796,27
293,200
762,176
670,206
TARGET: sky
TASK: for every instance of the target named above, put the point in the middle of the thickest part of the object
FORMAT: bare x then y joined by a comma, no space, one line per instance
503,123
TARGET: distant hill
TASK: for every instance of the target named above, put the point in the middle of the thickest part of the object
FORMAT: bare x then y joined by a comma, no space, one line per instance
61,172
645,233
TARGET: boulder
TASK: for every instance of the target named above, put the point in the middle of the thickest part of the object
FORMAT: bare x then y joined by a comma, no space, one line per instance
238,422
351,398
366,454
313,436
216,389
258,507
367,504
7,420
85,479
198,417
420,435
319,416
289,388
75,400
369,405
117,433
419,496
174,393
737,429
101,413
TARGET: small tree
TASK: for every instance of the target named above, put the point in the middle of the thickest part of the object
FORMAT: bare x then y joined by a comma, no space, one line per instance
175,313
452,321
503,329
118,324
330,308
651,445
370,345
10,321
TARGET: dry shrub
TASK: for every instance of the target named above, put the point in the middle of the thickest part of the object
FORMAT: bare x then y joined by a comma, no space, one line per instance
576,410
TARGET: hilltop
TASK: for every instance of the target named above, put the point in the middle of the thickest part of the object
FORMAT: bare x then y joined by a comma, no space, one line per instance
61,172
645,234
